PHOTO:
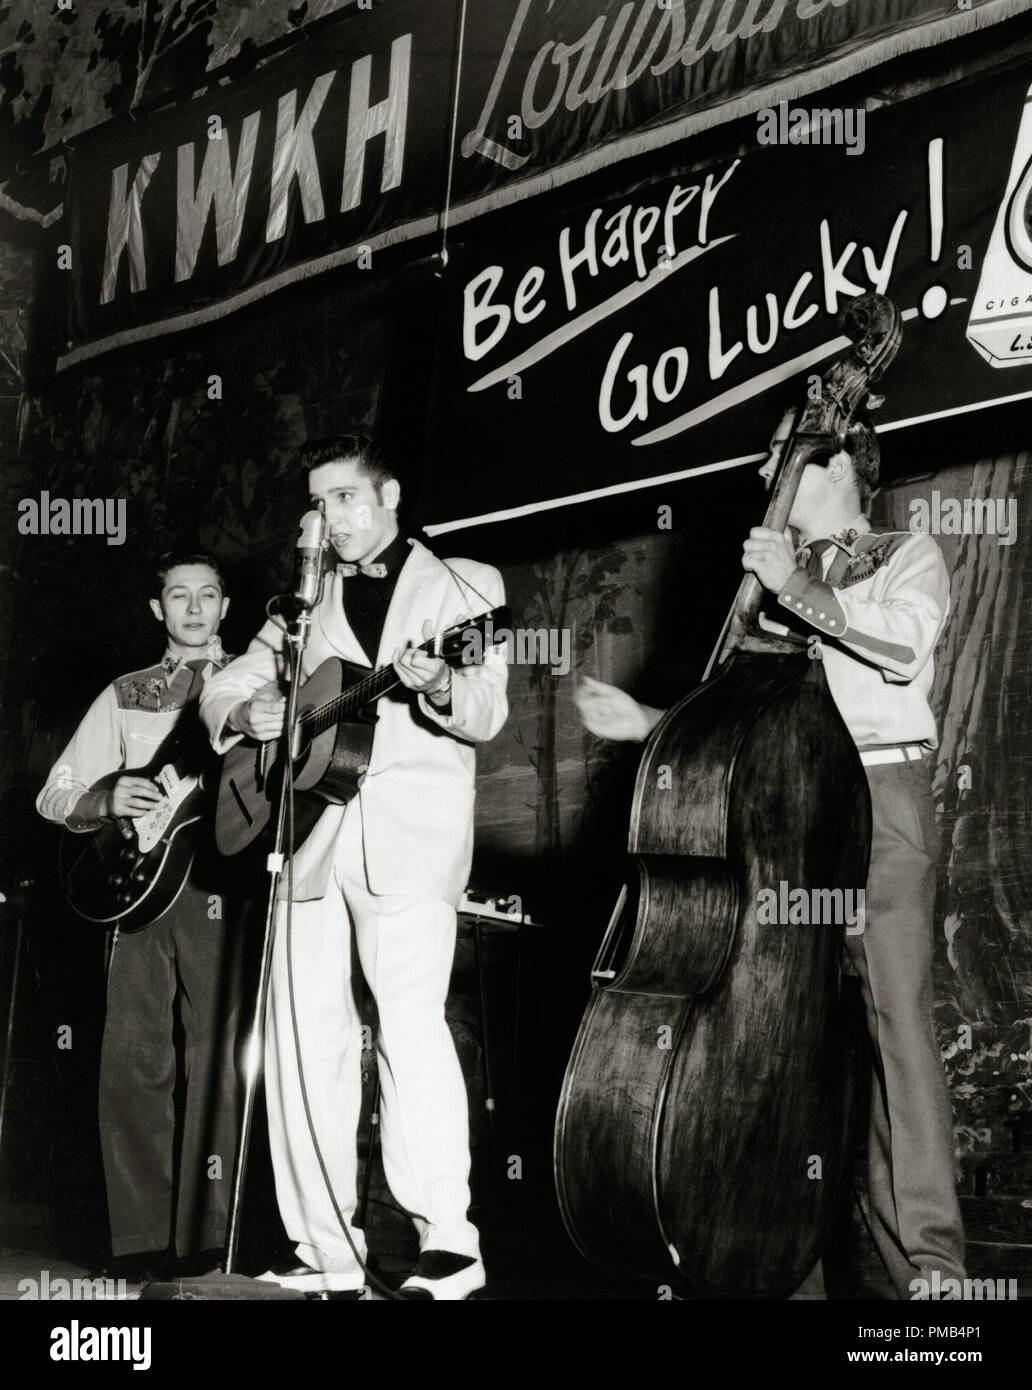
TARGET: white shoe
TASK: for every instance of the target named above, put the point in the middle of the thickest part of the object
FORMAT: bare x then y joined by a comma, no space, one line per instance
308,1280
441,1275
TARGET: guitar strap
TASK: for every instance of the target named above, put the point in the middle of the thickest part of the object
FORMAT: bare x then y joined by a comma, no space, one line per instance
110,957
463,584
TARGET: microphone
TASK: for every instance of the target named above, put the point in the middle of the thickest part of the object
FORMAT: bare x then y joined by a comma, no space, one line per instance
310,558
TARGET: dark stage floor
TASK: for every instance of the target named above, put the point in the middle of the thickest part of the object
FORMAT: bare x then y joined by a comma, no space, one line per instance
527,1260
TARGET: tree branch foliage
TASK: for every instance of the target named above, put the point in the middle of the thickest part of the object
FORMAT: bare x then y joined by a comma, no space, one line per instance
65,71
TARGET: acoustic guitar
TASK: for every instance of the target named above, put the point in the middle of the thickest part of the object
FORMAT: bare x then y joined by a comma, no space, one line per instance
334,739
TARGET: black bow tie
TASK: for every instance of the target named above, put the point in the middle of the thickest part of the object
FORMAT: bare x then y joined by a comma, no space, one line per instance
377,570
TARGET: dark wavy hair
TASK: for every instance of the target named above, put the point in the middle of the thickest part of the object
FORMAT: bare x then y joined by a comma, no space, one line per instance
172,558
345,448
863,448
861,444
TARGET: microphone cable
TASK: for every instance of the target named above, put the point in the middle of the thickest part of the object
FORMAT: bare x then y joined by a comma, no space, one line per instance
373,1280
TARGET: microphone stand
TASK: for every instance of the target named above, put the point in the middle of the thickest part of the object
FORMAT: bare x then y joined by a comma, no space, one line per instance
297,639
17,900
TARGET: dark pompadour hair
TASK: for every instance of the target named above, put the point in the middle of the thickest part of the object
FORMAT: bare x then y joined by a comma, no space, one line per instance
343,448
172,558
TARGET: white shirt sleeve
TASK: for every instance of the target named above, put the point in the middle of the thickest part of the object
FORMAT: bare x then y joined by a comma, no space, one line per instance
97,747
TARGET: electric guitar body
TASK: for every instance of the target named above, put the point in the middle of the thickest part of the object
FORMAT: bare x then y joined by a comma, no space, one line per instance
129,872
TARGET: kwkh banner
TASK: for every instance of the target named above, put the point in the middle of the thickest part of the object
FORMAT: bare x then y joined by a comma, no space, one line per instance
661,333
355,139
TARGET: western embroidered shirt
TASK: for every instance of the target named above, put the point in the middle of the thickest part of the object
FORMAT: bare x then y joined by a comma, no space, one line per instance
122,730
881,605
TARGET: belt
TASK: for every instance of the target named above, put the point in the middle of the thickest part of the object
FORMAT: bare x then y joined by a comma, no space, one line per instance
901,753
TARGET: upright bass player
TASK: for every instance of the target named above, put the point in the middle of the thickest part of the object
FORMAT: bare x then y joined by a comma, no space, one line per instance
878,600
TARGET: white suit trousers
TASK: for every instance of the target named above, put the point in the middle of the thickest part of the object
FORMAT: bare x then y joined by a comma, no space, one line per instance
406,945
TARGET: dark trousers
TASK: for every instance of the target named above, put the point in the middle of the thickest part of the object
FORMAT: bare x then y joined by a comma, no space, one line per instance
164,1186
915,1216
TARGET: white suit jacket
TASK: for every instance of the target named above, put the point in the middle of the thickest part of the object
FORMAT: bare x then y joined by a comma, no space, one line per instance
416,801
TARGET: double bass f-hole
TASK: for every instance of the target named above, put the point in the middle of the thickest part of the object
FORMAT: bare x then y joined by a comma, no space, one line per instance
604,970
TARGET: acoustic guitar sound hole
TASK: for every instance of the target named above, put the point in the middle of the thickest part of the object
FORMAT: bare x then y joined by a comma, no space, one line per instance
241,803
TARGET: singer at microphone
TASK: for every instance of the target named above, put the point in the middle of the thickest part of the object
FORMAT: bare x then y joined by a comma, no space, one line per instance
262,716
379,875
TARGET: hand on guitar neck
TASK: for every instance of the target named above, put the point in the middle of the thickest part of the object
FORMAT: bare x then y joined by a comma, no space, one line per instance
423,672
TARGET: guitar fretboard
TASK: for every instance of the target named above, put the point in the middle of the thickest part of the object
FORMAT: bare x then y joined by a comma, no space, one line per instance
350,701
377,683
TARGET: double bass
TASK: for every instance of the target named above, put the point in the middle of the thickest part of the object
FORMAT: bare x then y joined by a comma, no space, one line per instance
703,1125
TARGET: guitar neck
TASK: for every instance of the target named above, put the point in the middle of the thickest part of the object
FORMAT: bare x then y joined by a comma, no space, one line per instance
350,701
452,646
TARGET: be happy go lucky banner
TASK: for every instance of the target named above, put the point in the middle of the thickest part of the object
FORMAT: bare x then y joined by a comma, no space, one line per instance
360,136
662,332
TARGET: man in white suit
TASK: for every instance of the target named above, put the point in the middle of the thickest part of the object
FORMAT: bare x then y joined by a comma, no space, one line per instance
387,869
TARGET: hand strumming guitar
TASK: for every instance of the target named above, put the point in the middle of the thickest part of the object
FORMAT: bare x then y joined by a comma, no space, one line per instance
128,796
262,716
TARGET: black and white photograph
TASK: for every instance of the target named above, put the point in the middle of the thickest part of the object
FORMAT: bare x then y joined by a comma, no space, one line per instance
515,705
